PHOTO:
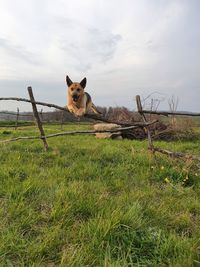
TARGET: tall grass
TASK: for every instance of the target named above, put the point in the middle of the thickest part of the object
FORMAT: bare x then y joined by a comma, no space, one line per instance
89,202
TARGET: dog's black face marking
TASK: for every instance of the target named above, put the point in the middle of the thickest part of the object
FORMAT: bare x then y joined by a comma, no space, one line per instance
76,92
75,97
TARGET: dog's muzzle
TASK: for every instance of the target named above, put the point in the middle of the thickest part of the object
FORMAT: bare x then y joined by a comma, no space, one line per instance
75,98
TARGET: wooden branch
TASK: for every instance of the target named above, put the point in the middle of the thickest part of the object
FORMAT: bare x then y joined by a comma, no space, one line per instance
69,133
176,154
90,116
140,110
36,102
166,113
93,116
37,118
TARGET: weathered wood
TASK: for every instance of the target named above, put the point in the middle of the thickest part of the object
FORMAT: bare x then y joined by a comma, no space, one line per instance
139,104
68,133
167,113
29,101
176,154
41,114
140,110
91,116
37,118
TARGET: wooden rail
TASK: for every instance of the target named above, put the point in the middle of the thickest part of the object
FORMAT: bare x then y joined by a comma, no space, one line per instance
126,125
50,105
69,133
177,113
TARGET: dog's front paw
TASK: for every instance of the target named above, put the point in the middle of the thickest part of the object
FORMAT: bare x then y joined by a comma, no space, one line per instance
71,109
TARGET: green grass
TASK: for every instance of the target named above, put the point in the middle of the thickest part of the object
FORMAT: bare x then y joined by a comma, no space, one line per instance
89,202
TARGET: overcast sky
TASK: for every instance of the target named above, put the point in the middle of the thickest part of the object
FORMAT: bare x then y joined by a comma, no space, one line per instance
124,48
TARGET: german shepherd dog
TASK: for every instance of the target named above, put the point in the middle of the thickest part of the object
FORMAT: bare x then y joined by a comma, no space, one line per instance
79,101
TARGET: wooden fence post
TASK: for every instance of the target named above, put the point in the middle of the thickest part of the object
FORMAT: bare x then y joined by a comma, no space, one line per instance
17,118
140,110
37,118
41,114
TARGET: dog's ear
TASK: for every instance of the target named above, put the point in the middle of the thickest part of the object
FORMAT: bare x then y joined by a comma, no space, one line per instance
83,83
68,81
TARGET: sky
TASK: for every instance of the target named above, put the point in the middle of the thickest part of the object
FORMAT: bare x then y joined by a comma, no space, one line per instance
124,48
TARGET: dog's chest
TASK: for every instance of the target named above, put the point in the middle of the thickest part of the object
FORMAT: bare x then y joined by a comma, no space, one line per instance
78,104
82,102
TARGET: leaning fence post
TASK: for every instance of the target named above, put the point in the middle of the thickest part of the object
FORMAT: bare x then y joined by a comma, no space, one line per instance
41,115
17,118
140,110
37,118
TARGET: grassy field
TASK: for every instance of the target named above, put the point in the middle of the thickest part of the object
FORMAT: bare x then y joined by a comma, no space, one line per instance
89,202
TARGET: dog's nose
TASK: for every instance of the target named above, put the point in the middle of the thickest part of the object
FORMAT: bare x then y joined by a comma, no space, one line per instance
75,97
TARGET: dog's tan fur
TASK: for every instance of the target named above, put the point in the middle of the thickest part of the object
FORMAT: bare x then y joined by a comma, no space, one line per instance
79,101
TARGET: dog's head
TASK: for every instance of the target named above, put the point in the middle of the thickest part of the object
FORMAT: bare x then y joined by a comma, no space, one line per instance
76,90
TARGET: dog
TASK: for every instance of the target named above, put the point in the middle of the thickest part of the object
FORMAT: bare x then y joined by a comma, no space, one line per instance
79,101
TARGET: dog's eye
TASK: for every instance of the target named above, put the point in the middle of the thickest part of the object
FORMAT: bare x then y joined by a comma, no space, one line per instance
72,89
78,90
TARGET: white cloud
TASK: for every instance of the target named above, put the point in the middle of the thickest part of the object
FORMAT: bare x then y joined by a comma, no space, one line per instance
122,47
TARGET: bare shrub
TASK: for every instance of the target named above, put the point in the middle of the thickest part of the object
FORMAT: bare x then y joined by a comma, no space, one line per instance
173,105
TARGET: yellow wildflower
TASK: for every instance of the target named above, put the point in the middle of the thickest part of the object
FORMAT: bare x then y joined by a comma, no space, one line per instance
167,180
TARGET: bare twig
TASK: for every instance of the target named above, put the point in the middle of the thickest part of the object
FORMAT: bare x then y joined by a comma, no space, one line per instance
176,154
166,113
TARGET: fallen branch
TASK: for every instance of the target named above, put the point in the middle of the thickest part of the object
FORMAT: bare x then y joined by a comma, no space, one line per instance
69,133
173,154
